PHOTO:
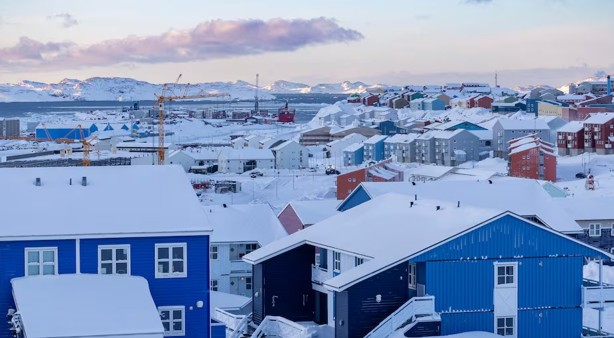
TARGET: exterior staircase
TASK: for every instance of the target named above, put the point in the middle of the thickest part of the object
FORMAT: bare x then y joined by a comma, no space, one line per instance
415,318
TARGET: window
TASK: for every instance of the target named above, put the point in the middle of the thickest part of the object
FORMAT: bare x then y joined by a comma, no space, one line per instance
358,261
248,283
250,247
213,285
594,230
411,276
41,261
336,261
171,260
612,231
213,252
173,320
505,274
114,259
505,326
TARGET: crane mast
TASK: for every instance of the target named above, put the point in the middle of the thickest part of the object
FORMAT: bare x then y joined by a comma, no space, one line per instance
163,97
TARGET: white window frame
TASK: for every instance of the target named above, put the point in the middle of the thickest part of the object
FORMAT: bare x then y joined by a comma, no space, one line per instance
251,247
214,285
171,274
213,251
596,231
40,259
336,261
514,329
514,275
114,258
411,276
170,310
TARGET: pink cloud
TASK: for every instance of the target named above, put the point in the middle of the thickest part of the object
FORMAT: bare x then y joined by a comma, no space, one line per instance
209,40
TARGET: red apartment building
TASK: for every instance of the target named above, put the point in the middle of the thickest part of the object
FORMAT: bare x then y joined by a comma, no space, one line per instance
599,133
384,171
530,157
570,138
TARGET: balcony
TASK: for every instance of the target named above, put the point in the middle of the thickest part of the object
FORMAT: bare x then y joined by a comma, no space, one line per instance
319,275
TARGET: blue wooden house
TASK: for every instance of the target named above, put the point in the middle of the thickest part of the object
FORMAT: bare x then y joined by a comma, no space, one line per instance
136,220
410,267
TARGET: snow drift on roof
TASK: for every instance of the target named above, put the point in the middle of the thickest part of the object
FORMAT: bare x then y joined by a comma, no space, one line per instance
84,305
244,223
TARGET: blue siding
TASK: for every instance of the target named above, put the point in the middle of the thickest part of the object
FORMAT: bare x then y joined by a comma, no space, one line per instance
505,237
356,198
12,256
452,323
461,285
560,323
165,291
387,128
555,282
378,151
218,330
57,133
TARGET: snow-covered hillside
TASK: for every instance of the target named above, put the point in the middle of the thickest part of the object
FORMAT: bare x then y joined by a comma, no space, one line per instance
127,89
121,89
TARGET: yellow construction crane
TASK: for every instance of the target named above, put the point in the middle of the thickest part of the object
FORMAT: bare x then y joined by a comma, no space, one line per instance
164,97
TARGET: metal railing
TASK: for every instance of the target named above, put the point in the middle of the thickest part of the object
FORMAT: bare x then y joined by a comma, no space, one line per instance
590,332
597,297
413,308
233,322
281,327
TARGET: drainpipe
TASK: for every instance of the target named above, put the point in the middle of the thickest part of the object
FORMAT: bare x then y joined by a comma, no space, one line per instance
609,85
601,283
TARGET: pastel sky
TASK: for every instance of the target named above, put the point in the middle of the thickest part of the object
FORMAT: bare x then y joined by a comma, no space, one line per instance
310,41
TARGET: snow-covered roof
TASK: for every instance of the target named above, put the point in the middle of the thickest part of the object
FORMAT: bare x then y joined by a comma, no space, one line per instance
599,118
353,147
524,124
521,196
117,200
572,127
249,154
140,145
531,145
84,305
311,212
360,231
244,223
584,209
283,145
375,139
483,135
571,97
433,171
203,154
382,172
66,125
226,301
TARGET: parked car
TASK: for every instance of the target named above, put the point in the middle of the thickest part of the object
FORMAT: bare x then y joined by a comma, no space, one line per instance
580,175
312,170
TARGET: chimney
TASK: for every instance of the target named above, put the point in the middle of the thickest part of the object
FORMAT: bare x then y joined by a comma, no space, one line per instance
609,85
70,181
458,204
415,197
438,208
411,204
37,182
84,181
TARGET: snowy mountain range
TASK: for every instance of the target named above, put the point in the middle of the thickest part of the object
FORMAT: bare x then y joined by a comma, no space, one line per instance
127,89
